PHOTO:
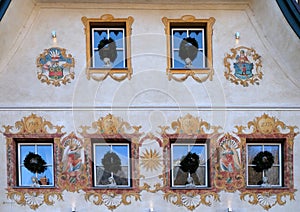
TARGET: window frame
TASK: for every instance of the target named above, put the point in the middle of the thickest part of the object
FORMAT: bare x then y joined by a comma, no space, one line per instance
188,142
35,144
112,142
107,21
279,143
188,22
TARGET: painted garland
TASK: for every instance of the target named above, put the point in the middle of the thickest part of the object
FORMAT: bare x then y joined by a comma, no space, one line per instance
188,48
107,49
111,162
190,163
35,163
263,161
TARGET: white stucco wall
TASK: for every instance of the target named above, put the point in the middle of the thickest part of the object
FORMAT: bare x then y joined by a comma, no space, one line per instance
148,99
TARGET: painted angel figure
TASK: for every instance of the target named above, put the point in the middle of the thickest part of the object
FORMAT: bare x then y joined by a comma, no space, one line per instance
73,159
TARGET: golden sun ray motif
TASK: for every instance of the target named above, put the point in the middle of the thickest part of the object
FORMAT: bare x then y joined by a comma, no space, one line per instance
151,160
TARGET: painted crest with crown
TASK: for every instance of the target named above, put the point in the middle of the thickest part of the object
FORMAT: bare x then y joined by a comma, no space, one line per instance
55,66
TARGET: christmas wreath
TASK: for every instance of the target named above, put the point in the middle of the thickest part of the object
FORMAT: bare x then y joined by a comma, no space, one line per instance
35,163
111,162
188,48
107,49
263,161
190,163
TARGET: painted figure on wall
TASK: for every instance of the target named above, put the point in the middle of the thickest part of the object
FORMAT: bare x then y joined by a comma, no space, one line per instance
73,160
229,171
243,67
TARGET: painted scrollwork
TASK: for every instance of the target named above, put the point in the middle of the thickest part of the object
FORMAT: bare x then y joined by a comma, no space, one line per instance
111,127
243,66
34,198
267,199
192,199
266,127
72,176
110,199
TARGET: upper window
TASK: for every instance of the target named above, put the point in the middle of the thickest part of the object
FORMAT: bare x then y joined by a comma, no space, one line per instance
35,162
108,47
112,164
189,44
268,151
189,164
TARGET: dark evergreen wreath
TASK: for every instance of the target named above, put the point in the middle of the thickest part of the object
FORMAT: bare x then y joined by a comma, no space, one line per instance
35,163
188,48
190,163
111,162
107,49
263,161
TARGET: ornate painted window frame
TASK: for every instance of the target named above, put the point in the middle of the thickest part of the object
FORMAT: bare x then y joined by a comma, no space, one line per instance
99,74
34,127
189,127
198,74
111,127
266,127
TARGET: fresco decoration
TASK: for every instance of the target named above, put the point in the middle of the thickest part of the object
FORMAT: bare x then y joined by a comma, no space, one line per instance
72,176
190,128
267,127
55,66
34,198
112,127
151,160
229,169
35,127
191,199
243,66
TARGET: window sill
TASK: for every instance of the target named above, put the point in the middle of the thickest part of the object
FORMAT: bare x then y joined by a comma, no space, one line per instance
100,74
198,74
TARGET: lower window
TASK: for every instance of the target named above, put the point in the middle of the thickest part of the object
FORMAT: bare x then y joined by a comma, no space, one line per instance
264,164
112,166
189,165
35,162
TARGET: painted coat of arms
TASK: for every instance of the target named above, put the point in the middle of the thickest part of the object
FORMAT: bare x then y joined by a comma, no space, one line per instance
55,66
243,66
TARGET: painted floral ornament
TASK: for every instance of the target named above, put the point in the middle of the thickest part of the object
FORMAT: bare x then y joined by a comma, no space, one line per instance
55,66
243,66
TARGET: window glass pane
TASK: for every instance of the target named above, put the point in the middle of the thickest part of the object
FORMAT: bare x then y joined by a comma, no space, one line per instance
120,60
100,151
45,151
98,36
117,36
200,151
197,34
177,61
274,149
253,150
24,150
25,178
178,35
48,174
254,178
273,175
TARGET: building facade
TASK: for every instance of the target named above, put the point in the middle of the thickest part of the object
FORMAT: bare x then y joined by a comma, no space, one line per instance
148,106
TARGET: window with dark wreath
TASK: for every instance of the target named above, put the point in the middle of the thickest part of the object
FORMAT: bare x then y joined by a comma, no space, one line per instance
112,163
189,164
